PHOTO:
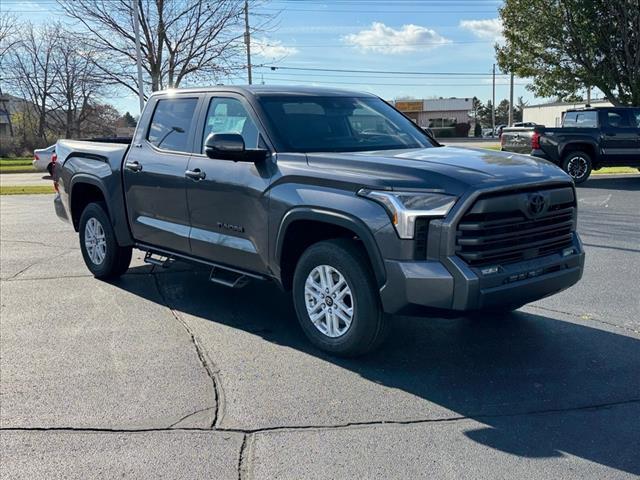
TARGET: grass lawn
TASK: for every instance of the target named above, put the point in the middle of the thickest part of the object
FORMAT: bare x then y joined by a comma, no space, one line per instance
614,170
16,165
25,190
17,169
24,161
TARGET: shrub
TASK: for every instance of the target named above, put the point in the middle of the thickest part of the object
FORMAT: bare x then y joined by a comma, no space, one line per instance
462,129
477,130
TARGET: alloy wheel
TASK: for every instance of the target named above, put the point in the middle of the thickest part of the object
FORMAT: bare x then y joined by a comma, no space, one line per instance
95,241
329,301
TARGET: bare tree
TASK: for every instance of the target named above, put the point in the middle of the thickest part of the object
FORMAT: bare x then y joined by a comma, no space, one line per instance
8,41
32,71
78,85
180,39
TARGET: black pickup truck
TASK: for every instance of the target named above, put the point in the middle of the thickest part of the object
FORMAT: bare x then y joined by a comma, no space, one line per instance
589,139
335,196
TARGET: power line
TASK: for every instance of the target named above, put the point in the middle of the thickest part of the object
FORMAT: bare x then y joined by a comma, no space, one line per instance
389,72
395,84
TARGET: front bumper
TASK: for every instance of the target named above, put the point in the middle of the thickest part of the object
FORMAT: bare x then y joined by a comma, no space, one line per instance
451,285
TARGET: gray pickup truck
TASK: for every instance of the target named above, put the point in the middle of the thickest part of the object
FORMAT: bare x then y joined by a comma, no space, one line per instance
335,196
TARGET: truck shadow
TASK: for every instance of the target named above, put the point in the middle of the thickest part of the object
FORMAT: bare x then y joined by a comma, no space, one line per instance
543,387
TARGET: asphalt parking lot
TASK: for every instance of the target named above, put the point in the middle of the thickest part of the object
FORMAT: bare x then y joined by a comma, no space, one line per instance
165,375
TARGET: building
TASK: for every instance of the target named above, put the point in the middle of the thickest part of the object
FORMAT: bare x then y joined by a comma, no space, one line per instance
9,106
550,114
437,112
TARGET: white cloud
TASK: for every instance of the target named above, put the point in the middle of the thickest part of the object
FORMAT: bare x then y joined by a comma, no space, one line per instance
490,29
272,49
382,39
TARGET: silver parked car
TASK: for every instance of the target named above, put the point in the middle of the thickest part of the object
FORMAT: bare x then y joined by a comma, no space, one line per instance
43,159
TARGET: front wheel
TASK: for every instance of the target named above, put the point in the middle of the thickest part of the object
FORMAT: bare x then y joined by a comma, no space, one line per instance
336,298
100,250
578,165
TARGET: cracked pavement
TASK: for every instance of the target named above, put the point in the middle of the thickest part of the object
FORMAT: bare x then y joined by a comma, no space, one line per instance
162,374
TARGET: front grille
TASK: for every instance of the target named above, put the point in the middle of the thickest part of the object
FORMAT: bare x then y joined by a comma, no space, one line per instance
498,230
420,238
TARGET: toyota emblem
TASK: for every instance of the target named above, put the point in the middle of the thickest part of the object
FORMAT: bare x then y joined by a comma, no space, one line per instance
537,204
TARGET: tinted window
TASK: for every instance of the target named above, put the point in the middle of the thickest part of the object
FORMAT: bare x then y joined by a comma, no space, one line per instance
228,115
339,124
171,123
617,119
588,119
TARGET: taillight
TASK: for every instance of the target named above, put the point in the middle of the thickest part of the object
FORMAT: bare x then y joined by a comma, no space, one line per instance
36,157
54,159
535,141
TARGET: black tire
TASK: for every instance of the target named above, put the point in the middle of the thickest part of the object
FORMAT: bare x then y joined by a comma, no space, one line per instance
369,324
116,259
578,165
50,169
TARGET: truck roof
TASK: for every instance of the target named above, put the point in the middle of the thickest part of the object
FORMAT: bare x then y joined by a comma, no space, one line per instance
594,108
266,90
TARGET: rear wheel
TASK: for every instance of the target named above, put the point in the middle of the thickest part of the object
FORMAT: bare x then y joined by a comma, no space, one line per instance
50,169
100,250
336,299
578,165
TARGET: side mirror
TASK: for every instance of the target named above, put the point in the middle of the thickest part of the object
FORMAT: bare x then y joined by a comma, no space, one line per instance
230,146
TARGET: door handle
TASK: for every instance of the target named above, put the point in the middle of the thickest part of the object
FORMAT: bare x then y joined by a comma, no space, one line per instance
196,174
133,166
610,134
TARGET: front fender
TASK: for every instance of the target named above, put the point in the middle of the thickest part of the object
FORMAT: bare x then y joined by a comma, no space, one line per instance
342,208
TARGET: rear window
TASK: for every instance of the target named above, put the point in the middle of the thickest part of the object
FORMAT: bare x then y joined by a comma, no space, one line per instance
171,123
588,119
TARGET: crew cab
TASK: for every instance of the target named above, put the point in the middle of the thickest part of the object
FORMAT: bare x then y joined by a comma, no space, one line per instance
589,139
333,195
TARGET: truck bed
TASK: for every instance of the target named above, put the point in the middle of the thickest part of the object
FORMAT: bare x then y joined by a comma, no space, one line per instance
106,151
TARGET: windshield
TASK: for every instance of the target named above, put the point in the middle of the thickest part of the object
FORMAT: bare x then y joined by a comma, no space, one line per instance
340,124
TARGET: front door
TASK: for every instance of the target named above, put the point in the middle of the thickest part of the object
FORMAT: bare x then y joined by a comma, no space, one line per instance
154,177
228,204
619,137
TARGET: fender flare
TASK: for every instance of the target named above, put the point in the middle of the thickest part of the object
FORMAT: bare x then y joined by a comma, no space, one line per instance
339,219
120,228
93,181
590,142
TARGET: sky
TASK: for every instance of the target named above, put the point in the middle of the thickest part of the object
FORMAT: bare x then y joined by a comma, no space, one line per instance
450,43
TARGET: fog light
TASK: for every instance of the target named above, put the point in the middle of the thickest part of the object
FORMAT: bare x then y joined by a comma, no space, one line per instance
568,251
489,270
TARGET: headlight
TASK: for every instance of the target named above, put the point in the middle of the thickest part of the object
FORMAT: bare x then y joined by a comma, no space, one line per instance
405,207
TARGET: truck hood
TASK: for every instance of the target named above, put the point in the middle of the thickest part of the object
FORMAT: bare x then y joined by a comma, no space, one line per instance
448,168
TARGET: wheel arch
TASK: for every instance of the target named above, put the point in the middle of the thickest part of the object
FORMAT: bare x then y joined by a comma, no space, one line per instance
590,148
304,226
84,189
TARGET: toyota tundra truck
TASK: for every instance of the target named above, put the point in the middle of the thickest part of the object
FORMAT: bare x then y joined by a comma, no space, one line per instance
334,196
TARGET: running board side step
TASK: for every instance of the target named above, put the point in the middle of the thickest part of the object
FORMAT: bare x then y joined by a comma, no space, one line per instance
227,277
160,260
220,274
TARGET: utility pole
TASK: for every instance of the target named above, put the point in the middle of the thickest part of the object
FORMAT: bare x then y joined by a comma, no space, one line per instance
511,102
136,25
493,103
247,39
588,96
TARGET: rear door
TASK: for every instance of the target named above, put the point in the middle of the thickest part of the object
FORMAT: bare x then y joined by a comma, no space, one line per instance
228,205
619,136
154,174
